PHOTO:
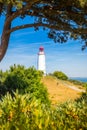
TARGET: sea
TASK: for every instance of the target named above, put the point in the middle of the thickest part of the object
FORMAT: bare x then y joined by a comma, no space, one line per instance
82,79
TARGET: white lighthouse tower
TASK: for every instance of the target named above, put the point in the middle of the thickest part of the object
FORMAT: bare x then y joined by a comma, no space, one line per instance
41,60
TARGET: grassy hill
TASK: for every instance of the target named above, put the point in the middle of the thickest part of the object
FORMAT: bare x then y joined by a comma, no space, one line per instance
61,91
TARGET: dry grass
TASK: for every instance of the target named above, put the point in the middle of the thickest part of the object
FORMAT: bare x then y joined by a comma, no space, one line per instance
58,92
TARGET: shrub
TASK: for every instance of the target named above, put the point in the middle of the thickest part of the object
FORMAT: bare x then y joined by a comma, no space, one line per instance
26,81
21,113
60,75
85,85
3,88
75,82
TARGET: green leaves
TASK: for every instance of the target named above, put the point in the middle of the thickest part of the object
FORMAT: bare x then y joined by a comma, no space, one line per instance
25,81
22,113
60,75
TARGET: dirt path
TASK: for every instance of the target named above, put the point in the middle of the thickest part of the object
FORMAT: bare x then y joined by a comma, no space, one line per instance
74,87
59,91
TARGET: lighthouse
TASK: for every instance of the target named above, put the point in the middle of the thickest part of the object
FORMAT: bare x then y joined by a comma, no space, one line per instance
41,60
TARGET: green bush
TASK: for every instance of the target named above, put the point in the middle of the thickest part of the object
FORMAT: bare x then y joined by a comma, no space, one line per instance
3,88
85,85
60,75
75,82
16,79
26,81
20,78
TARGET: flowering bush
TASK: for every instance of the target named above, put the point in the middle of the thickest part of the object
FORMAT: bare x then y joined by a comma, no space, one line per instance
21,113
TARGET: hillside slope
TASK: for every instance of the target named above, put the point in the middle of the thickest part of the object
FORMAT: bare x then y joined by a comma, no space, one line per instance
60,91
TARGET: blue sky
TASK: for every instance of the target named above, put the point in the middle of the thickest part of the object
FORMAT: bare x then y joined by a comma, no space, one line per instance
24,46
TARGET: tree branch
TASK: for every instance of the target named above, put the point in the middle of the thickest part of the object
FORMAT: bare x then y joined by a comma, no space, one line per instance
23,26
57,28
33,25
20,11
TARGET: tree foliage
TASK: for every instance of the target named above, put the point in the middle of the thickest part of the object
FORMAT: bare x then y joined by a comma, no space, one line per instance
64,19
60,75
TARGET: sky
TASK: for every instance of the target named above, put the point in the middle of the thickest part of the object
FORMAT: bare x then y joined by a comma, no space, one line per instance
24,46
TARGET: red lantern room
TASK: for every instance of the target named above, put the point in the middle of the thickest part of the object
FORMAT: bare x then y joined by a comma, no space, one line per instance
41,49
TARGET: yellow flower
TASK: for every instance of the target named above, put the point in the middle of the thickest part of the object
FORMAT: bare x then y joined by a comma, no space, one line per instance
1,112
10,115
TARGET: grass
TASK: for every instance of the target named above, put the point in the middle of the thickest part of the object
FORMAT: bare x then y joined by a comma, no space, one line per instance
58,92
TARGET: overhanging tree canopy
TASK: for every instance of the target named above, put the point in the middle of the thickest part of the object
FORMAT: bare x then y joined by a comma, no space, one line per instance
64,19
